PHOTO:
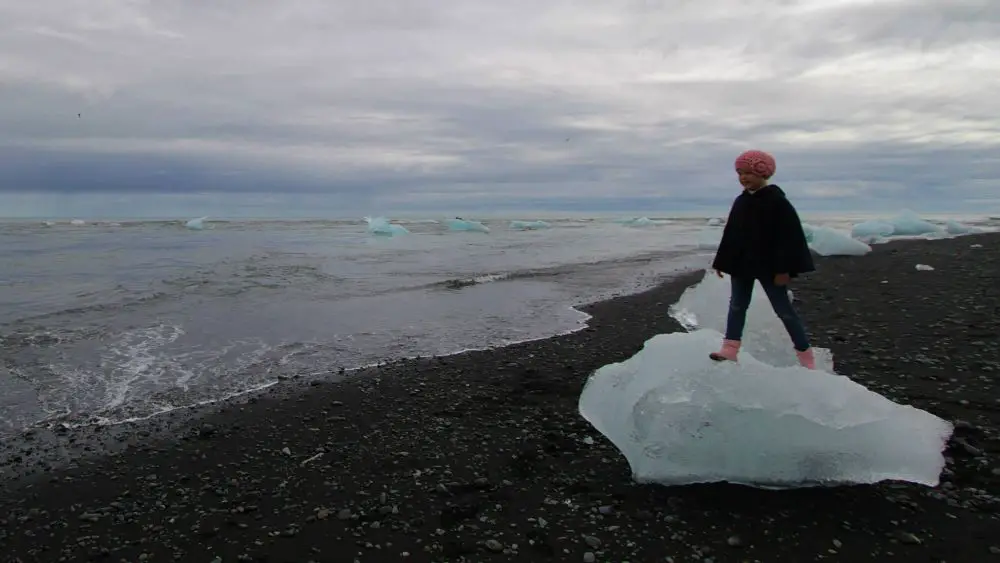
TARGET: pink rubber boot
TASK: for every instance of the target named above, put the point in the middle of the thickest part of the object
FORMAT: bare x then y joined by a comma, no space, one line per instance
806,358
730,350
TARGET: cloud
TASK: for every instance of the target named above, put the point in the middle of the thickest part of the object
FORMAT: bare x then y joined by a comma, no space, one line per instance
420,103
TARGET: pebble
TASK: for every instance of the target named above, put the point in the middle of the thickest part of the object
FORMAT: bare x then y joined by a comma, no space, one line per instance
589,557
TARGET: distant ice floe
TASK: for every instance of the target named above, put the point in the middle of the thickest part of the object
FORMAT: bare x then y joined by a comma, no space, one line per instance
641,222
380,226
680,418
528,225
466,225
196,224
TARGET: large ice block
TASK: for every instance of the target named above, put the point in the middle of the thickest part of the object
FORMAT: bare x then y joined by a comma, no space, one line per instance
680,418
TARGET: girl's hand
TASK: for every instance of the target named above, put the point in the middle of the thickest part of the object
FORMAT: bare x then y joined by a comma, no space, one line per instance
718,273
782,279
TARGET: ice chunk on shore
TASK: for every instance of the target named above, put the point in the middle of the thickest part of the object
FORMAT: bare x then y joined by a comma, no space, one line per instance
680,418
380,226
871,231
830,242
528,225
955,228
908,223
715,222
465,225
706,304
196,224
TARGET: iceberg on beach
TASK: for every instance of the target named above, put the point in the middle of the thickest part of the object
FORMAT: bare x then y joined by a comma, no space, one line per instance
528,225
680,418
956,228
380,226
872,231
908,223
830,242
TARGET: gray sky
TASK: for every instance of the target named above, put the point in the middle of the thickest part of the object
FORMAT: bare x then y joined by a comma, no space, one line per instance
414,103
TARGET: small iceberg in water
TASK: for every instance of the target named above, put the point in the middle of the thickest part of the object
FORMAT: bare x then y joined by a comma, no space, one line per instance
196,224
459,224
641,222
528,225
380,226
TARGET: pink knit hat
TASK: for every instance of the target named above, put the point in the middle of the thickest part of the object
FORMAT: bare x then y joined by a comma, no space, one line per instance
758,162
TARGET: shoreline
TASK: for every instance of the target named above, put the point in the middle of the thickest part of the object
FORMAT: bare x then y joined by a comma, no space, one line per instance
53,443
676,262
485,445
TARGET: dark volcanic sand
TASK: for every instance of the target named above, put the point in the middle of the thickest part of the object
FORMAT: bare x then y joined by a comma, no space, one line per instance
480,457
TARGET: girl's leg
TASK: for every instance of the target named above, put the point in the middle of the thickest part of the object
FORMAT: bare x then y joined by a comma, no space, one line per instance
739,301
782,305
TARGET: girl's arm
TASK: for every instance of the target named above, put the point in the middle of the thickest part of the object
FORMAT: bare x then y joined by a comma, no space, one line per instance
792,255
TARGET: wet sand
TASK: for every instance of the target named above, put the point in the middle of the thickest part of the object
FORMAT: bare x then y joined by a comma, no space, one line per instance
482,456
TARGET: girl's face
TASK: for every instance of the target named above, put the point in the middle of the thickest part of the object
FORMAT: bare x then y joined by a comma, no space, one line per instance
751,181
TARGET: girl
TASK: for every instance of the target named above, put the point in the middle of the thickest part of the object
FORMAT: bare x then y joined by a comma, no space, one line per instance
763,241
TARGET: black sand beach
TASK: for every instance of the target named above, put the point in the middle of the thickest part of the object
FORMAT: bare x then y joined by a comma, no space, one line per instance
481,456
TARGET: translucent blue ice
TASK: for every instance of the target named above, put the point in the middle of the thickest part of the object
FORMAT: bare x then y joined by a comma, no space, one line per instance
465,225
830,242
956,228
528,225
872,231
380,226
908,223
680,418
196,224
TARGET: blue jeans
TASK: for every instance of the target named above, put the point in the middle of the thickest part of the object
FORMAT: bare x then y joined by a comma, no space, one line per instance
739,302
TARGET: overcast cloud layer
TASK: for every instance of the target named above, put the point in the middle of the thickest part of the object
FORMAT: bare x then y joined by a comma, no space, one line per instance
402,104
